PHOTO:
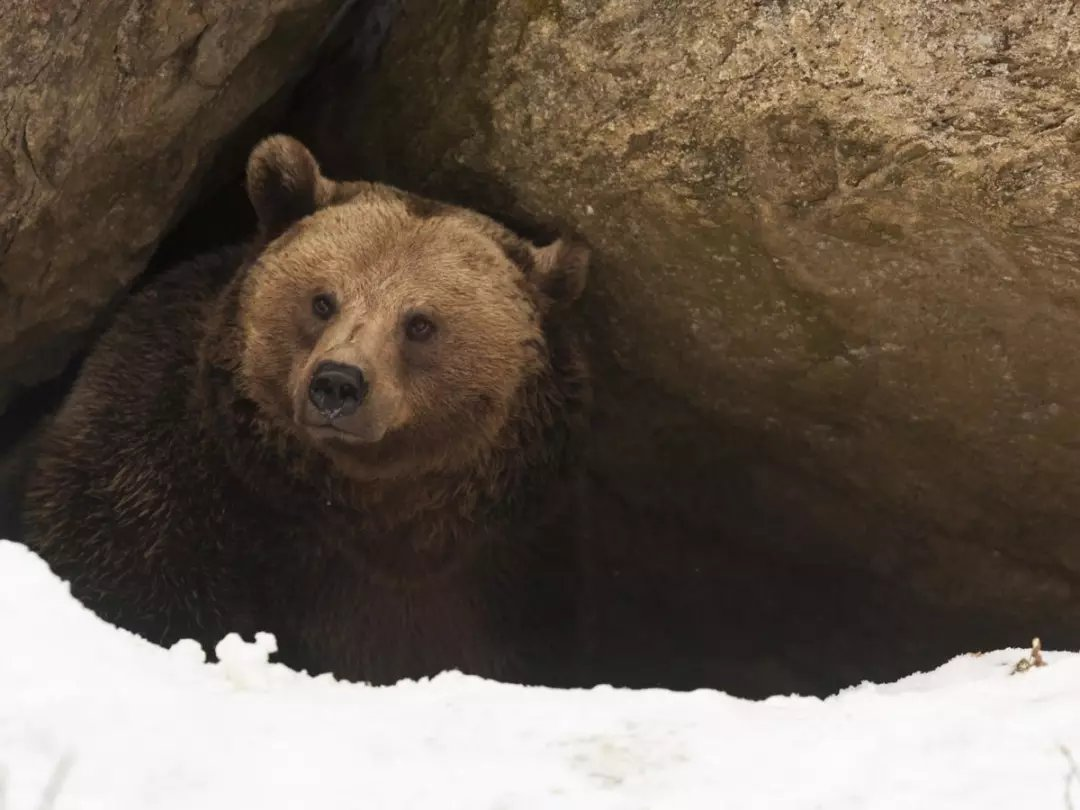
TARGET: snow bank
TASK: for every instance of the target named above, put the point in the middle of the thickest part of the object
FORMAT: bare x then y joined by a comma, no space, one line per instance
92,717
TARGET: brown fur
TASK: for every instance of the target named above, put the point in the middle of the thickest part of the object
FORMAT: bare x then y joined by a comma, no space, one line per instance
185,491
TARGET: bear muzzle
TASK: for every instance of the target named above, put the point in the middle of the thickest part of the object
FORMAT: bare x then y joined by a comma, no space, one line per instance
342,402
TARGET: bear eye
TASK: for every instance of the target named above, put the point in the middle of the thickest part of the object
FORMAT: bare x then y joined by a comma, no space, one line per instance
323,306
419,328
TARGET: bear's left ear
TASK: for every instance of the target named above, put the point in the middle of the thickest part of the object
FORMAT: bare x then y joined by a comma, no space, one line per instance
284,183
561,270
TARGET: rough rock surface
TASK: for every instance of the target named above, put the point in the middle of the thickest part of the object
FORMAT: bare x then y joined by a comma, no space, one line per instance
109,113
837,301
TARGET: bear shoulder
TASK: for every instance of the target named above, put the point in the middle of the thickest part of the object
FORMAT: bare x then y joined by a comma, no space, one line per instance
123,454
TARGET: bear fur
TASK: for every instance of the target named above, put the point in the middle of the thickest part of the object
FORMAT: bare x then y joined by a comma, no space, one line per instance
189,488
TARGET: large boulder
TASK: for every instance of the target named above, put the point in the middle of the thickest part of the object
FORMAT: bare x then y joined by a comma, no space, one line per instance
836,302
110,112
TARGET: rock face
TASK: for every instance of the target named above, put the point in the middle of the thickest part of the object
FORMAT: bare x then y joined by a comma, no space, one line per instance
110,112
837,300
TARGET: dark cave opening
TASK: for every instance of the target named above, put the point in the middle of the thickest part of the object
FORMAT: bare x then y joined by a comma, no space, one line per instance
700,576
707,565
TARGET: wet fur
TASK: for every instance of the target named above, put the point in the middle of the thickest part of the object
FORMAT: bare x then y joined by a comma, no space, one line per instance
180,501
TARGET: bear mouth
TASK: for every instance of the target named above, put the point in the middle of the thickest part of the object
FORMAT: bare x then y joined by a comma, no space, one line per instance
342,431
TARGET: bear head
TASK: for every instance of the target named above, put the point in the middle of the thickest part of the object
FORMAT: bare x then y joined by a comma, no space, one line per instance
392,333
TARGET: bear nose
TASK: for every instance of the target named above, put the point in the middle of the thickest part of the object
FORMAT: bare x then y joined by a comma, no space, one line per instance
337,389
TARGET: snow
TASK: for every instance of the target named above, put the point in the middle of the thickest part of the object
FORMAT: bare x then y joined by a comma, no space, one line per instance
92,717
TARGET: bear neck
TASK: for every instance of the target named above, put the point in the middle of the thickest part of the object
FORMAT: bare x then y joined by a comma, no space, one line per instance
531,455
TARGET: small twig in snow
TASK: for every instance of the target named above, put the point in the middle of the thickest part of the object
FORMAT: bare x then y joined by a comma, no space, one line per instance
1034,660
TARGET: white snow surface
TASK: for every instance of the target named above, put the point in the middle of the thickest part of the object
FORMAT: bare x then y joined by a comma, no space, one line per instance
94,717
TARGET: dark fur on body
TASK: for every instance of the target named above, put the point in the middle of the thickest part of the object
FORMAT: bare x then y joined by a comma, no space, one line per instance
178,505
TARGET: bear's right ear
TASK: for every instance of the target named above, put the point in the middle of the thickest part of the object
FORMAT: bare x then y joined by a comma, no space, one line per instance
284,183
561,270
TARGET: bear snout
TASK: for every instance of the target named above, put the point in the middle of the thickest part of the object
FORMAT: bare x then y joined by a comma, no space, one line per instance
337,390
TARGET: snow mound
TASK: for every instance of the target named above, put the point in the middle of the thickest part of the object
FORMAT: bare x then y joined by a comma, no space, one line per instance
92,717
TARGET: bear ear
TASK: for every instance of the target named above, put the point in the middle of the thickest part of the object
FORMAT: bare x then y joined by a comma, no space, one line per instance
561,270
284,183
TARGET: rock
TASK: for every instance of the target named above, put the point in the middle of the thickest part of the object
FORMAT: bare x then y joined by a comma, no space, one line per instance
836,303
110,113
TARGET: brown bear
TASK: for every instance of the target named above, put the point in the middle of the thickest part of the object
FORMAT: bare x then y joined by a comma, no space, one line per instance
361,432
